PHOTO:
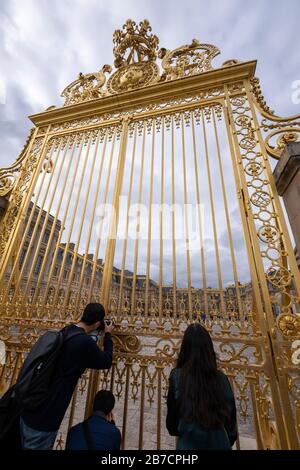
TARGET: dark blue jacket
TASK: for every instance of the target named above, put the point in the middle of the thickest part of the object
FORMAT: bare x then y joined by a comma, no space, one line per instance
79,353
104,435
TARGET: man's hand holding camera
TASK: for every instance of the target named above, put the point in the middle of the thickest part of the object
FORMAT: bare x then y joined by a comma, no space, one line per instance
108,326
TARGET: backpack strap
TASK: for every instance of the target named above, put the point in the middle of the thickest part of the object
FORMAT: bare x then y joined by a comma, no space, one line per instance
88,436
67,335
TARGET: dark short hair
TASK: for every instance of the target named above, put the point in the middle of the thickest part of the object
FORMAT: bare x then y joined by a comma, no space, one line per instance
104,401
92,313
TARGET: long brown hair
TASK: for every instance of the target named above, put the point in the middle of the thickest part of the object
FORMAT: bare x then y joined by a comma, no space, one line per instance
201,391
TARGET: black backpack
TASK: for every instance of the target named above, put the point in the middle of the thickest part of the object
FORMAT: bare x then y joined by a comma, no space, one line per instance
34,380
10,438
32,386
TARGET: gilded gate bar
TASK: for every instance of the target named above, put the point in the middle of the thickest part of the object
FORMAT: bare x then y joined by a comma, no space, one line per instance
169,134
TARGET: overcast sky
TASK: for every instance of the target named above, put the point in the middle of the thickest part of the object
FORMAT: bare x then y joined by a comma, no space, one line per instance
46,43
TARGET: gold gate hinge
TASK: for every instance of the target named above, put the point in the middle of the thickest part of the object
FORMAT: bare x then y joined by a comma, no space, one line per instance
245,204
274,363
228,115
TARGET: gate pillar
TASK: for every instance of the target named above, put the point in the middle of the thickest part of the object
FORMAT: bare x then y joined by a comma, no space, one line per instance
287,179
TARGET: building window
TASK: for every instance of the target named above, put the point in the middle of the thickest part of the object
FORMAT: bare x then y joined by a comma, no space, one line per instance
46,237
56,271
22,256
65,274
38,264
30,231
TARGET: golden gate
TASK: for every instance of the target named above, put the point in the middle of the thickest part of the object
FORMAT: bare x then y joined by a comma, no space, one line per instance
177,134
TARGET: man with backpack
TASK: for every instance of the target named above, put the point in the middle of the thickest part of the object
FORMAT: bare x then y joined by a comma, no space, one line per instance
77,352
99,431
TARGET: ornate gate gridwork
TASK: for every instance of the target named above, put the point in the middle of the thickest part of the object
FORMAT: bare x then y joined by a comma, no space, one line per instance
171,135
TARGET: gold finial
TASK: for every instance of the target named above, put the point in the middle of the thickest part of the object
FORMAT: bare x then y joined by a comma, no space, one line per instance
135,40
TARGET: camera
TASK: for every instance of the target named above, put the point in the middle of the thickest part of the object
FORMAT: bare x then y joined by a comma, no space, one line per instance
101,327
104,323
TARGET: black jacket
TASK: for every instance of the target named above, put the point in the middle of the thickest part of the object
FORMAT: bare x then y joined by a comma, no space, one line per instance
191,435
79,353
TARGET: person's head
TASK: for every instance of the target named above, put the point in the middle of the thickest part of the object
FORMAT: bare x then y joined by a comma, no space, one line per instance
104,401
93,317
197,349
202,397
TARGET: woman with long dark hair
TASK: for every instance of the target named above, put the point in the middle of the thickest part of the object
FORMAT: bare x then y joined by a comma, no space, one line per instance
201,406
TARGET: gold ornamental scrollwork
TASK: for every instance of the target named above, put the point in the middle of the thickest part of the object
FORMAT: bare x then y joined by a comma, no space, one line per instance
279,276
283,135
133,76
126,343
7,181
260,201
256,90
167,348
235,353
87,87
136,52
190,59
8,175
4,333
289,325
136,41
279,131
